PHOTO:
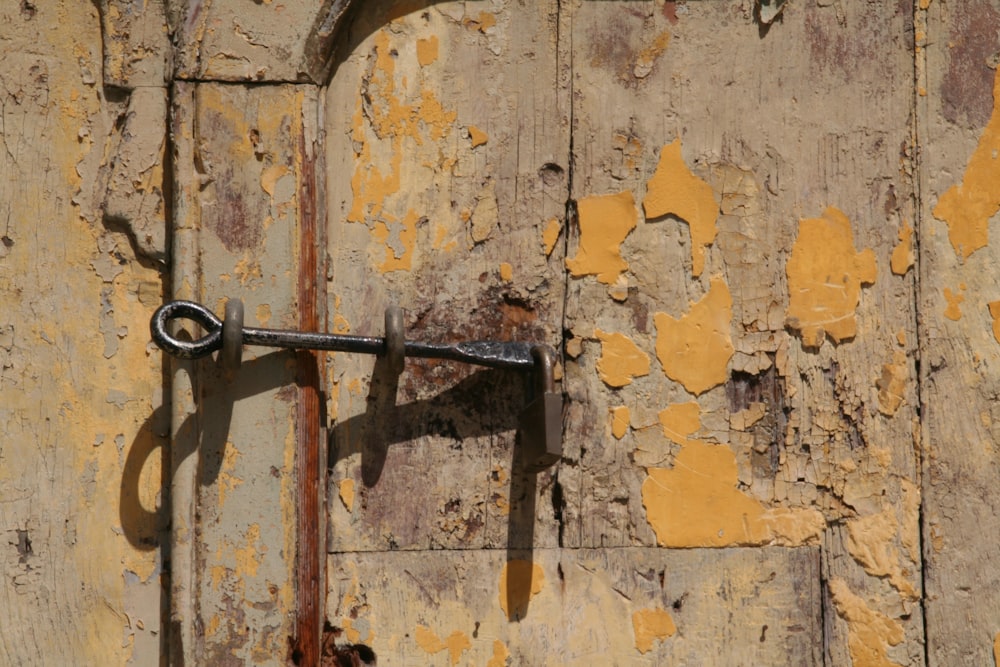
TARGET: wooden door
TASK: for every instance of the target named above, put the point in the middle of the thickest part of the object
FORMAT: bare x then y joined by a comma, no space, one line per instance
756,232
710,232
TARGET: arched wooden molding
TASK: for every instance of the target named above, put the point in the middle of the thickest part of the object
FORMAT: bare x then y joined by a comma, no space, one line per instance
219,41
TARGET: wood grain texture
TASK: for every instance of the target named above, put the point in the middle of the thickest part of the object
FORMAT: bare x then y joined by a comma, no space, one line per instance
809,427
444,173
583,607
960,351
251,151
81,420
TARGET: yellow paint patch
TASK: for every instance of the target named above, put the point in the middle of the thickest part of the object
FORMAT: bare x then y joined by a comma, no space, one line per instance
994,307
902,255
550,235
647,57
427,50
892,384
870,633
605,221
871,542
825,274
675,190
506,272
346,490
477,136
695,349
651,625
396,126
697,504
500,655
953,311
621,360
248,558
968,207
619,421
996,650
398,260
270,176
680,420
520,580
456,643
263,313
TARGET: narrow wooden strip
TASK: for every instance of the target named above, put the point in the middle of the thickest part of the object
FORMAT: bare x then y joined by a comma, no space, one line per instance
310,588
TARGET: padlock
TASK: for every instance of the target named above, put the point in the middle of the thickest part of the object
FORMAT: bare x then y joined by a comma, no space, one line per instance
541,421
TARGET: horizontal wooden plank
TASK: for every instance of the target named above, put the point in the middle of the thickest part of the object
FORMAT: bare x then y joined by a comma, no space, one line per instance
634,606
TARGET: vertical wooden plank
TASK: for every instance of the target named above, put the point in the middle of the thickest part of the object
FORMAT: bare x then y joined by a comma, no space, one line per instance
447,147
743,338
960,360
81,422
250,154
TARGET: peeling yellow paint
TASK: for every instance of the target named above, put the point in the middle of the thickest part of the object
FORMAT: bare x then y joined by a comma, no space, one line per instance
680,420
270,176
604,222
456,643
968,207
520,580
621,360
746,418
647,57
902,255
619,421
892,384
697,503
227,481
695,350
346,491
394,260
675,190
247,558
994,307
550,235
395,126
870,633
651,625
871,542
263,313
500,654
506,272
825,274
427,50
477,136
953,311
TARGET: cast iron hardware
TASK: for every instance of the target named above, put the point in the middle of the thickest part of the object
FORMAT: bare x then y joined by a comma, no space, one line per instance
541,421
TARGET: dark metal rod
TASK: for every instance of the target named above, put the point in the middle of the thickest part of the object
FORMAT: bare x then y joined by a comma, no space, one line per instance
494,354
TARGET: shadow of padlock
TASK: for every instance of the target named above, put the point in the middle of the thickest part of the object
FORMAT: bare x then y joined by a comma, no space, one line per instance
541,422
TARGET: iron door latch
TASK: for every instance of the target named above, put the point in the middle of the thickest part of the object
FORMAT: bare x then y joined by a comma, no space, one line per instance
540,423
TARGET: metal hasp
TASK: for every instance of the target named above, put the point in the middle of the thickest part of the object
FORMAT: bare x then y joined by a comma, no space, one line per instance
540,423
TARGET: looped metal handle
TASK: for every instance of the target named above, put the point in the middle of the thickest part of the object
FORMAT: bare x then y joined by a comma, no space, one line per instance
188,310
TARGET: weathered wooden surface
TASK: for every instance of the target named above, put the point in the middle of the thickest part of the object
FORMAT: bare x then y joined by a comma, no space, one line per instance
740,318
637,606
744,368
244,161
81,428
447,140
960,356
230,40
